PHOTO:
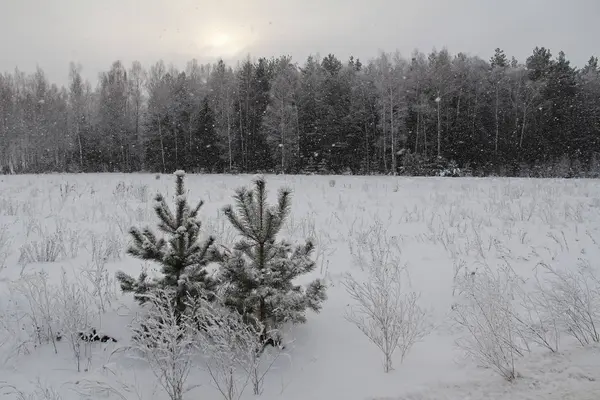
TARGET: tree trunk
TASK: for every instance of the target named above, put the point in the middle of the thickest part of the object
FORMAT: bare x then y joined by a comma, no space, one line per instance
523,128
298,158
392,134
162,147
80,147
417,134
229,141
384,156
424,138
244,164
497,124
367,158
439,126
282,130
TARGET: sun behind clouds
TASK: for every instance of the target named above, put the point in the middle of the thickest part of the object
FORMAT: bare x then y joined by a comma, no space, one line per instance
225,43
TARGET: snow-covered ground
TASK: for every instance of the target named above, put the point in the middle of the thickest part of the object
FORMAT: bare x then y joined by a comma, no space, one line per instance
439,223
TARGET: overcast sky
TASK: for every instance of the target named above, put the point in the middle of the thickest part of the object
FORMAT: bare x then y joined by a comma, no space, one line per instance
51,33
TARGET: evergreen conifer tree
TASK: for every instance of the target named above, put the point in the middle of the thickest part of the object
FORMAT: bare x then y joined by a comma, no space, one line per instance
183,256
257,277
204,145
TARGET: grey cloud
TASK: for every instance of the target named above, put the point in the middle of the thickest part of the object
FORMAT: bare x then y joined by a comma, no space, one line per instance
52,33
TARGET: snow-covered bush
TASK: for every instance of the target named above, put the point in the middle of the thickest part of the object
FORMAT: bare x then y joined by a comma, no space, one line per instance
384,308
76,316
233,349
5,244
487,316
536,322
574,298
41,392
101,282
105,247
451,170
388,315
36,300
165,341
49,249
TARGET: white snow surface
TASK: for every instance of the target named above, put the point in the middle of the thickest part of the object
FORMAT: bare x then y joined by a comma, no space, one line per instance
436,220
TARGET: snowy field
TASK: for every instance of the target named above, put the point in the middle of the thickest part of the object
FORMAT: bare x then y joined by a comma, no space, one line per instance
442,230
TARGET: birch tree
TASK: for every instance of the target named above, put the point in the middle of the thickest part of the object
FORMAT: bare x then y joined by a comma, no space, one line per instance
280,122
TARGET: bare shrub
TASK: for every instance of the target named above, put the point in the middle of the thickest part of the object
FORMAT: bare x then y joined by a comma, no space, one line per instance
71,238
165,342
574,297
5,244
49,249
33,225
102,283
108,382
41,306
41,392
375,247
76,315
105,247
535,321
487,316
9,207
140,192
384,308
390,317
234,349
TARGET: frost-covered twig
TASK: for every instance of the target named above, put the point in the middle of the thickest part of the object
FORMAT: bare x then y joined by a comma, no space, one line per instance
41,392
389,316
165,342
5,244
41,308
49,249
574,297
487,316
101,282
234,349
76,315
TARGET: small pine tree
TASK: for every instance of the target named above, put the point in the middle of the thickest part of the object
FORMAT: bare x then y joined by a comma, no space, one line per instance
183,256
257,277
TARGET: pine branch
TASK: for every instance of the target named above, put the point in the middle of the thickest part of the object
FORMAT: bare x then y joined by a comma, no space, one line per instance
235,221
315,295
194,212
201,255
285,204
248,218
262,200
145,245
168,223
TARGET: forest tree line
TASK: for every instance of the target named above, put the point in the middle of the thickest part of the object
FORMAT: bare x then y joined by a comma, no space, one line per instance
389,115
